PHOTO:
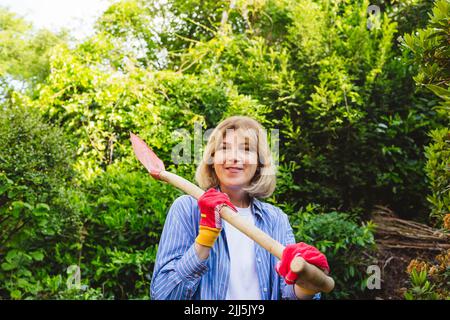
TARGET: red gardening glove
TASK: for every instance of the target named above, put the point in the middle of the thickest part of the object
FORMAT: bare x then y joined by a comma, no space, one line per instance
210,204
309,253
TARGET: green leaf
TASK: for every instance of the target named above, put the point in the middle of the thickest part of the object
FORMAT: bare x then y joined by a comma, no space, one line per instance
6,266
5,183
23,283
409,296
351,271
41,209
18,206
439,91
37,255
16,294
11,255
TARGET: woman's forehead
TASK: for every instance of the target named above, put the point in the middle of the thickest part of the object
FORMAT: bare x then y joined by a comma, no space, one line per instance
240,135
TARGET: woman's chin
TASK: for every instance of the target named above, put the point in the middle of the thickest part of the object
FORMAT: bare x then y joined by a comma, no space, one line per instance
233,184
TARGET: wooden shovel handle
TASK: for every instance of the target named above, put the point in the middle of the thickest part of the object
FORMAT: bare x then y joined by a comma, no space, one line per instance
311,279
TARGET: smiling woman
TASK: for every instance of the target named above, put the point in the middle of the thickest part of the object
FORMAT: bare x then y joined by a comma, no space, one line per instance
202,257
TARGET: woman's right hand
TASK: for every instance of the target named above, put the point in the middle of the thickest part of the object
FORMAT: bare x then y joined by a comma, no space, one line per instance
210,204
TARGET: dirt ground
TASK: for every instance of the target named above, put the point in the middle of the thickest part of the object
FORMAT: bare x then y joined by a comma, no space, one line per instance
394,278
416,240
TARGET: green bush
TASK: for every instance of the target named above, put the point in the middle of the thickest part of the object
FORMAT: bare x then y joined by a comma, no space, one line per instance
429,49
345,242
109,227
438,173
123,216
35,171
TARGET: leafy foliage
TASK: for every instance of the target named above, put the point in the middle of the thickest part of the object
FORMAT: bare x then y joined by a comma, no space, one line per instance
24,54
122,222
345,243
429,280
431,52
422,289
438,172
35,172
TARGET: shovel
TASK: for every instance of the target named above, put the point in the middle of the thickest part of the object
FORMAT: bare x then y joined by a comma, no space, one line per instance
310,278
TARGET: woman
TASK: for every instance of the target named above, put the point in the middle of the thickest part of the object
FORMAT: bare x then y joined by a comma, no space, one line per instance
202,257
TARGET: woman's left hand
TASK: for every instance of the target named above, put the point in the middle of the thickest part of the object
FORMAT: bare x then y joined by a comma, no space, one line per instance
311,255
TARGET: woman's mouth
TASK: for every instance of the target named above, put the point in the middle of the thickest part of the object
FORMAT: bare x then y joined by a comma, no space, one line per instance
234,169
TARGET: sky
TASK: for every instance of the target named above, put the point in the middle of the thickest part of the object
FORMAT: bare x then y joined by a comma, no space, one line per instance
78,16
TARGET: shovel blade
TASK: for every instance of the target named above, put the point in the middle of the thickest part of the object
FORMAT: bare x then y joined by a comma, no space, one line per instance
146,156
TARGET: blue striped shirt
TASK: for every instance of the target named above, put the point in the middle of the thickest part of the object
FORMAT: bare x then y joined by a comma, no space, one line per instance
179,274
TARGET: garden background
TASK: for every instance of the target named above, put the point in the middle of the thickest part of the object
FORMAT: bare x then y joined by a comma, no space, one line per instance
360,97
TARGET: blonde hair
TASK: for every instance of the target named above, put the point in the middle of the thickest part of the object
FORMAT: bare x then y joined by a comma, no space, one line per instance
263,182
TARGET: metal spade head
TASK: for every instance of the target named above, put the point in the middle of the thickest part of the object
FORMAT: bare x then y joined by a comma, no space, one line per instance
146,156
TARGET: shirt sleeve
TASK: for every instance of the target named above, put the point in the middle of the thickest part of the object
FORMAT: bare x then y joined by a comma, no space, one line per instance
178,269
287,291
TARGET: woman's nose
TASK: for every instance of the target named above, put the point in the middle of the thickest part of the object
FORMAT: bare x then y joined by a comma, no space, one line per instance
233,155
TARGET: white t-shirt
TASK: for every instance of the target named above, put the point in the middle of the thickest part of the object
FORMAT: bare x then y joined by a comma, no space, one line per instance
244,283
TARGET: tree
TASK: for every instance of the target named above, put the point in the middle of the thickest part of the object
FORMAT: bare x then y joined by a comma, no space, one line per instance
24,52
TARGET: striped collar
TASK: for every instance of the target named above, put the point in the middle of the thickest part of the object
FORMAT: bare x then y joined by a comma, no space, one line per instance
257,207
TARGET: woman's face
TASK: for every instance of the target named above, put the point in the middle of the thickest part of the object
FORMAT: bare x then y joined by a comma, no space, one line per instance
236,159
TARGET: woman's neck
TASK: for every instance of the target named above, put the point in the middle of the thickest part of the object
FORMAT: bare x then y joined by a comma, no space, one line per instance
237,196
